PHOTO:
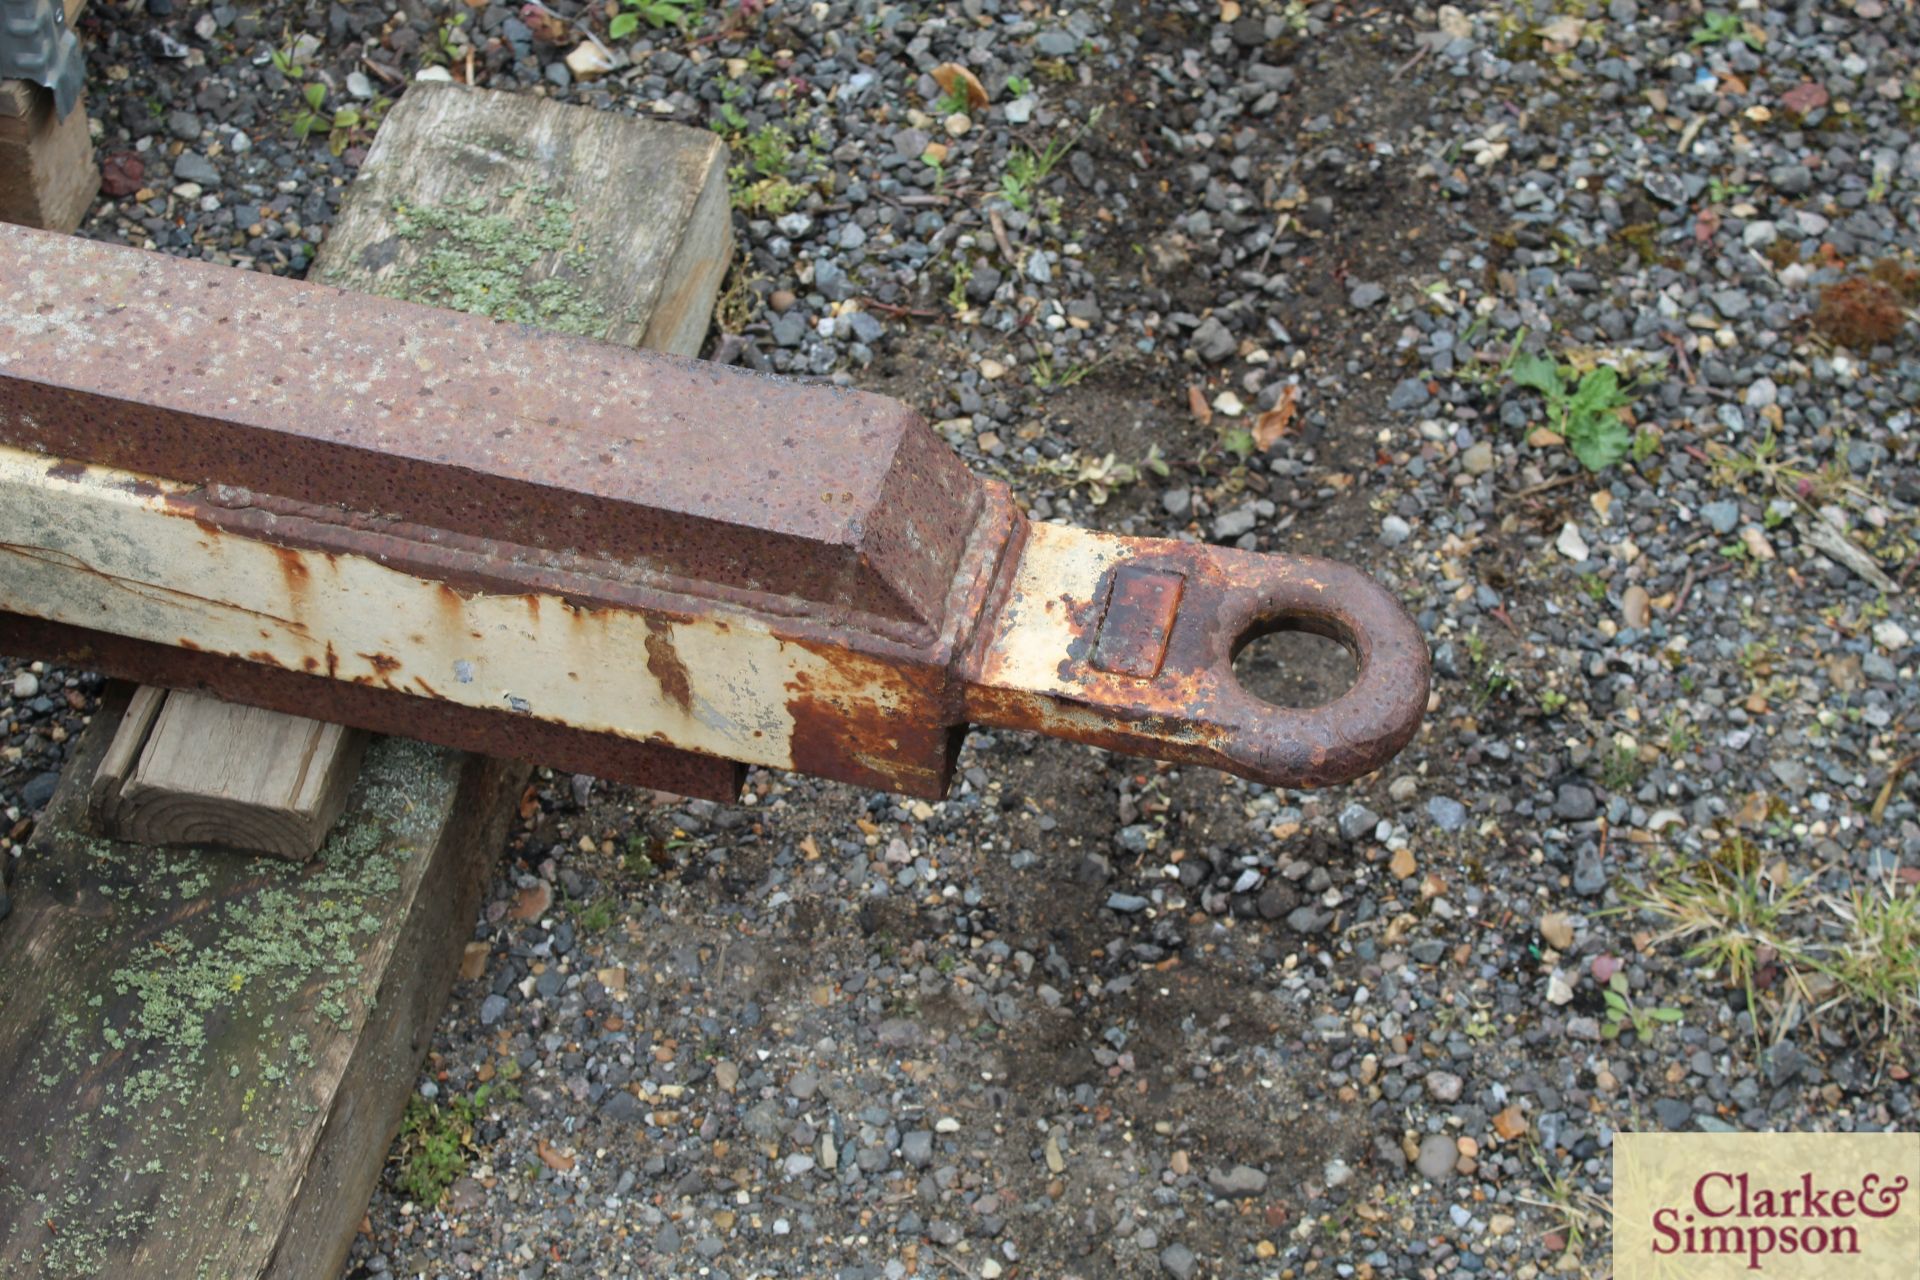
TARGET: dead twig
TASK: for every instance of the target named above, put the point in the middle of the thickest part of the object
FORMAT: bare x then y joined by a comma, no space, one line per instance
1412,62
1543,486
892,309
1000,238
1885,797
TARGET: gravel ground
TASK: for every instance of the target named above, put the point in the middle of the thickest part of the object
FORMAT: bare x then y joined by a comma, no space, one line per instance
1312,277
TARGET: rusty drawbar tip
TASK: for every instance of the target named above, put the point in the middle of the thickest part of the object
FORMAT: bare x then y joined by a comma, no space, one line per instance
631,564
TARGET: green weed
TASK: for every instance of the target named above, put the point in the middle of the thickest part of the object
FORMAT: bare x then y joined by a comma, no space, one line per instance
435,1143
1719,28
1759,928
1623,1013
1584,413
1027,169
599,915
656,14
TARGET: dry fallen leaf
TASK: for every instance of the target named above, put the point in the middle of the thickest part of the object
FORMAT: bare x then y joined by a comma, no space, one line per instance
1567,29
547,27
588,60
1804,97
949,74
1270,426
555,1159
1197,406
1557,928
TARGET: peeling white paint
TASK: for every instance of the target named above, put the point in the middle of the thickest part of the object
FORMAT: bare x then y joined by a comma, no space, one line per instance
88,551
1060,570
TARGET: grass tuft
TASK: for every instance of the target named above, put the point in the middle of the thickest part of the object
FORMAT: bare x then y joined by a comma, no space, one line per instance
1797,951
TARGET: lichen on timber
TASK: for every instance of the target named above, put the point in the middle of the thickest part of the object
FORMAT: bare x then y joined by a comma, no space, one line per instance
200,1028
478,259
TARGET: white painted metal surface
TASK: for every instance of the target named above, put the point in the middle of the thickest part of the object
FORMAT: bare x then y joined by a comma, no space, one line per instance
101,549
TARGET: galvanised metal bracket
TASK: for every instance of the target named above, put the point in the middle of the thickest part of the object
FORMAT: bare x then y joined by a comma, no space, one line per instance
607,560
36,45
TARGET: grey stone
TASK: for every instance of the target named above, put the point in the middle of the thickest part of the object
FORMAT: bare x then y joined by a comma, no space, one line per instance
1792,179
1447,813
1213,341
1394,531
916,1148
1671,1113
620,1107
1721,516
1438,1154
1178,1261
830,279
1589,875
1229,525
492,1009
790,329
1443,1086
1408,394
1356,821
1665,187
194,167
1731,303
1366,294
1237,1183
1126,903
1574,802
1307,920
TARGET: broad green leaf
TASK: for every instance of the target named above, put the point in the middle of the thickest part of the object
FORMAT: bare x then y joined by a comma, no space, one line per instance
1666,1015
316,94
1598,441
1598,392
1538,372
623,25
1239,441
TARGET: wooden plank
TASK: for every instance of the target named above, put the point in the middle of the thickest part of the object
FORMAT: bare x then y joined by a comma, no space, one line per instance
561,216
204,771
207,1056
47,174
190,1039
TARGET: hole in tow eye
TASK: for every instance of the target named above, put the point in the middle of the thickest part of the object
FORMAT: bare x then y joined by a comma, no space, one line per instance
1293,663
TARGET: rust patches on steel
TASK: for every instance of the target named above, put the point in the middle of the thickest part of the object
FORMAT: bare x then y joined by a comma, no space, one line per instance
666,666
1195,709
1138,621
215,377
798,575
377,709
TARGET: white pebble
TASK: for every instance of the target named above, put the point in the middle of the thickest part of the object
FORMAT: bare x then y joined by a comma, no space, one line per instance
26,685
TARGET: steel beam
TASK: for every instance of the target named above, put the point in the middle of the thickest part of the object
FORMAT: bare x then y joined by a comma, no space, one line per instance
540,545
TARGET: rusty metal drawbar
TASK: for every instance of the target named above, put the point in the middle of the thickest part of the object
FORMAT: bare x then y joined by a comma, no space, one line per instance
611,561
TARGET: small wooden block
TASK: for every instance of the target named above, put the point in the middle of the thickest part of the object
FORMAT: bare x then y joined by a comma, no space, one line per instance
205,1056
625,223
47,174
186,768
